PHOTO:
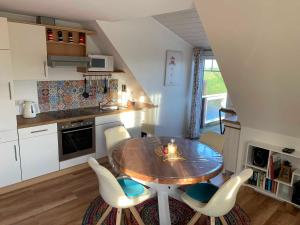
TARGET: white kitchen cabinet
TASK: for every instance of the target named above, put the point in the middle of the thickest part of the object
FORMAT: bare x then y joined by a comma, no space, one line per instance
8,119
5,65
38,150
231,146
29,51
10,171
75,161
8,136
7,113
4,39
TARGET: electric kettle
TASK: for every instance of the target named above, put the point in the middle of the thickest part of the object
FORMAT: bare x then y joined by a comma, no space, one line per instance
30,109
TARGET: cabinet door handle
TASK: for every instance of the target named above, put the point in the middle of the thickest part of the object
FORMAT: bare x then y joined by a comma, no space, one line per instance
38,131
9,90
72,131
15,149
45,68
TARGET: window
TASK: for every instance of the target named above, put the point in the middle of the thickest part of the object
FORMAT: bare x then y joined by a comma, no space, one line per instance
213,80
214,92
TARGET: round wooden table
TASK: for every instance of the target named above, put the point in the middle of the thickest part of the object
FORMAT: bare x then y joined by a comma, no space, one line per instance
137,159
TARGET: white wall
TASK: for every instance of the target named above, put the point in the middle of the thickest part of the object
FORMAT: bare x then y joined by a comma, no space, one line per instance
142,44
25,90
257,47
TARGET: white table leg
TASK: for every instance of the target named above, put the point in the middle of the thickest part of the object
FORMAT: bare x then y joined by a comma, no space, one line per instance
174,192
163,192
163,207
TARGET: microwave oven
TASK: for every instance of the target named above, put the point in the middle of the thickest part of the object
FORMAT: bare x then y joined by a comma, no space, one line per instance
100,63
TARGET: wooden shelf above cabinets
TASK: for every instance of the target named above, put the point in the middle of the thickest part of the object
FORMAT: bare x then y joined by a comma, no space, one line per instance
84,71
63,46
64,43
60,49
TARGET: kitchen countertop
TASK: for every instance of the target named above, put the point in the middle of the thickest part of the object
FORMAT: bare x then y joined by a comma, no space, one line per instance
73,114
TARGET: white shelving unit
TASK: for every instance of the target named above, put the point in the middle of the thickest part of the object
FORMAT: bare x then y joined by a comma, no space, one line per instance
284,190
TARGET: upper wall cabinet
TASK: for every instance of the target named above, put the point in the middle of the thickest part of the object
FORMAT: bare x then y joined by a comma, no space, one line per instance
4,40
29,51
5,65
8,111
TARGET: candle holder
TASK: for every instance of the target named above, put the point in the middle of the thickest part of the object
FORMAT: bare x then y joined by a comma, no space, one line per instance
172,148
50,35
169,152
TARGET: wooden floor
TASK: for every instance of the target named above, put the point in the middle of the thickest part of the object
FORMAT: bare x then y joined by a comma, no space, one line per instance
63,201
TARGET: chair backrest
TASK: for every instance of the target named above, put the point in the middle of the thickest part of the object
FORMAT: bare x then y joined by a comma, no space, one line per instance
214,140
224,199
114,135
109,188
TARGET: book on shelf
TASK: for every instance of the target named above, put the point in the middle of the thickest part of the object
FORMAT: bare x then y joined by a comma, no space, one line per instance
257,178
274,166
271,185
260,181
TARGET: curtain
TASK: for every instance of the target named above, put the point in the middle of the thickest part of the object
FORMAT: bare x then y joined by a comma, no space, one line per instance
196,106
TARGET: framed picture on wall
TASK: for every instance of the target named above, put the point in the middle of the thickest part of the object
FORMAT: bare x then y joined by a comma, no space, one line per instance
173,68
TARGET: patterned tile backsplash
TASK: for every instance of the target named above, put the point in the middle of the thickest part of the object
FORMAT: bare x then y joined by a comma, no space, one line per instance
63,95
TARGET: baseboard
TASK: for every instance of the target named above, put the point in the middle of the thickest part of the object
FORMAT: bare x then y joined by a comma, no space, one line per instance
27,183
75,161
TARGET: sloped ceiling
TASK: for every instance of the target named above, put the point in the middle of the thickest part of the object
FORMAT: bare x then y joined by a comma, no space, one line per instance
257,47
86,10
107,48
142,45
187,25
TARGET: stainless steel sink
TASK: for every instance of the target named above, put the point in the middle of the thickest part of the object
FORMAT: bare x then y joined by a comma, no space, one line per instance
109,108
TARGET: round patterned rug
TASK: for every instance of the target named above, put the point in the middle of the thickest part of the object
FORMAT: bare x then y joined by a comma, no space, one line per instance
180,214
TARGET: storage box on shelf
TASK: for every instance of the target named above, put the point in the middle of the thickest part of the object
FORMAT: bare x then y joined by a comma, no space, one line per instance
266,178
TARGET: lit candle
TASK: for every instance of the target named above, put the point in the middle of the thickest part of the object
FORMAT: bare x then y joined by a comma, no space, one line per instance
172,148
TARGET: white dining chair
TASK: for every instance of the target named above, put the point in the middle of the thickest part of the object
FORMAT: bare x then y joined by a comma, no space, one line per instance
214,140
217,202
120,193
114,136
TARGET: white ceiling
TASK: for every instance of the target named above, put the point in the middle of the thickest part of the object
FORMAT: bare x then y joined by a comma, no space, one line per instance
85,10
187,25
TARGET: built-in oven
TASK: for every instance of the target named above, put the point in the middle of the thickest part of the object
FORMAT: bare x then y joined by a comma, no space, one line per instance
76,138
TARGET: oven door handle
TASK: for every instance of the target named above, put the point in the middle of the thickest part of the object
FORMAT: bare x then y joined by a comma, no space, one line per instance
72,131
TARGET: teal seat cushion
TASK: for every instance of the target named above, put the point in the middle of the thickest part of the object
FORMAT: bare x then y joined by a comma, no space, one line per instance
130,187
201,192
